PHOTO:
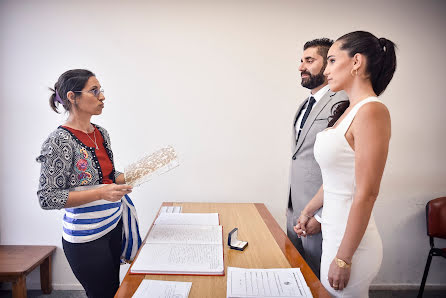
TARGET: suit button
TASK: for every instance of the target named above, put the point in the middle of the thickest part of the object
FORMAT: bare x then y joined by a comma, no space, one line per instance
294,157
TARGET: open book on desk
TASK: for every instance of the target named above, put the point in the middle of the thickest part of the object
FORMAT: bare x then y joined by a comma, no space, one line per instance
182,243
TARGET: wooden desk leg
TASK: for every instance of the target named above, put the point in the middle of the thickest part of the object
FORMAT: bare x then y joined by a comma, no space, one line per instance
19,287
45,276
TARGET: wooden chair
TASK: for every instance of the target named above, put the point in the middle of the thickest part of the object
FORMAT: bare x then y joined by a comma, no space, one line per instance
436,228
17,261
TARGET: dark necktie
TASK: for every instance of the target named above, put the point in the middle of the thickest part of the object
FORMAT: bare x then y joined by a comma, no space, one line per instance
304,118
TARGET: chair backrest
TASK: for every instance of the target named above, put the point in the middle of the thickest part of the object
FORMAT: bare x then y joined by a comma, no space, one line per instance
436,218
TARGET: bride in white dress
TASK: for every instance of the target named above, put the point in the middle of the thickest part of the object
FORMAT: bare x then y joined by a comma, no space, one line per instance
352,154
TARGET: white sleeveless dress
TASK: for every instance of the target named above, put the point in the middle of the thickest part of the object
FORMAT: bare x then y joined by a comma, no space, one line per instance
337,161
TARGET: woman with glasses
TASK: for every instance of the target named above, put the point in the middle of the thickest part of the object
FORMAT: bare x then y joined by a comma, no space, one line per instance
78,174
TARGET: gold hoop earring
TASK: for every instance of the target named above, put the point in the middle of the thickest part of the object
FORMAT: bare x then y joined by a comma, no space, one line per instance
356,72
351,72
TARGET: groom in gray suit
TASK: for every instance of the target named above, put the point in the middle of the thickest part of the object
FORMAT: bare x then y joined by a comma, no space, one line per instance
305,175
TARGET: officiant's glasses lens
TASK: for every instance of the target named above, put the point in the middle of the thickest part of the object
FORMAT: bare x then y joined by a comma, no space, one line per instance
95,92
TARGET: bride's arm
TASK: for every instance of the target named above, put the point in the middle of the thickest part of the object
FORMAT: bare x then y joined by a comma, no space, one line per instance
315,203
371,135
308,212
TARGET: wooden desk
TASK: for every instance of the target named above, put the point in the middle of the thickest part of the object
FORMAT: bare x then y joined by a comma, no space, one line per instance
268,247
17,261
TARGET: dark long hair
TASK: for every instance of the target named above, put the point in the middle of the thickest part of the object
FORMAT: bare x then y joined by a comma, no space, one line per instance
380,66
71,80
337,110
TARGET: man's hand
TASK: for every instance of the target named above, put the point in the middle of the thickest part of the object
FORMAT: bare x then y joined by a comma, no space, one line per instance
312,227
300,227
299,230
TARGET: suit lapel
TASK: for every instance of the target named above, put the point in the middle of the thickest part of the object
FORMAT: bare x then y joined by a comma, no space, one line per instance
293,141
313,115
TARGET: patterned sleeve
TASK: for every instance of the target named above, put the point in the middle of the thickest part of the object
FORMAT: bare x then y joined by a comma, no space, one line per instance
56,166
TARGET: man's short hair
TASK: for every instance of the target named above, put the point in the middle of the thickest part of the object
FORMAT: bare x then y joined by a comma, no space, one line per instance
322,44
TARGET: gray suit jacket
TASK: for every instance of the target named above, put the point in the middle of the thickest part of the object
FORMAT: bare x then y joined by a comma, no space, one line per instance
305,174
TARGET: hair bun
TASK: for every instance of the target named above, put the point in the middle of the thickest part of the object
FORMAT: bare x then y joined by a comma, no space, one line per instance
383,43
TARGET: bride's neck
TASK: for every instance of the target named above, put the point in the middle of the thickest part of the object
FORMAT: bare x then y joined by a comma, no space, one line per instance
359,91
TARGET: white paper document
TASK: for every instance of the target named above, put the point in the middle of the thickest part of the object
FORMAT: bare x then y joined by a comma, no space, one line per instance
282,282
187,219
196,259
182,243
162,289
185,234
170,209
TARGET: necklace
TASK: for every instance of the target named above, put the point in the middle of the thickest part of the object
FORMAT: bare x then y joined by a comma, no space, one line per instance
94,134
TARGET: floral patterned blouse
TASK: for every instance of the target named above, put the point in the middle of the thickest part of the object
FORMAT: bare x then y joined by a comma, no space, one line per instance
67,163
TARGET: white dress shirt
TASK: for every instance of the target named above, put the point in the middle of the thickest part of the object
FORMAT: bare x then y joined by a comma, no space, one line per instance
317,96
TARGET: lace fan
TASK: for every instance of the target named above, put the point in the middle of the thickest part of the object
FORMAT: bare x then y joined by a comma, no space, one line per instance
156,163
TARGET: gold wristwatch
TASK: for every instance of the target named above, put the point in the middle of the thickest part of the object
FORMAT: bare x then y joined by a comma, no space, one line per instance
342,264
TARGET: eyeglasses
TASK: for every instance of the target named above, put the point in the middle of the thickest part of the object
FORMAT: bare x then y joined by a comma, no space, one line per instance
95,92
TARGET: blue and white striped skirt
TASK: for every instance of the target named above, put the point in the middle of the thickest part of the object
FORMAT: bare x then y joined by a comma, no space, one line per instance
91,221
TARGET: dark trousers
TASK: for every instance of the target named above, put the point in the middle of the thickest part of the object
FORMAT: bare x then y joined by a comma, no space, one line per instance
96,263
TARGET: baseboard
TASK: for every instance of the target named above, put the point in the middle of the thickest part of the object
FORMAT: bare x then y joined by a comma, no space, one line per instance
65,287
406,287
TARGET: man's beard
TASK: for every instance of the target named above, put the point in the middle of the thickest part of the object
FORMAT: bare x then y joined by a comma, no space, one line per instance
313,81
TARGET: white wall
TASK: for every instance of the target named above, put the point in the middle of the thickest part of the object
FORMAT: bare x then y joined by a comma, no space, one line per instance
219,81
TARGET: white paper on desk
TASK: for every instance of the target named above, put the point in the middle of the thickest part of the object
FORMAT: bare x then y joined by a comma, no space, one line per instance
282,282
170,209
187,219
185,234
163,289
177,258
